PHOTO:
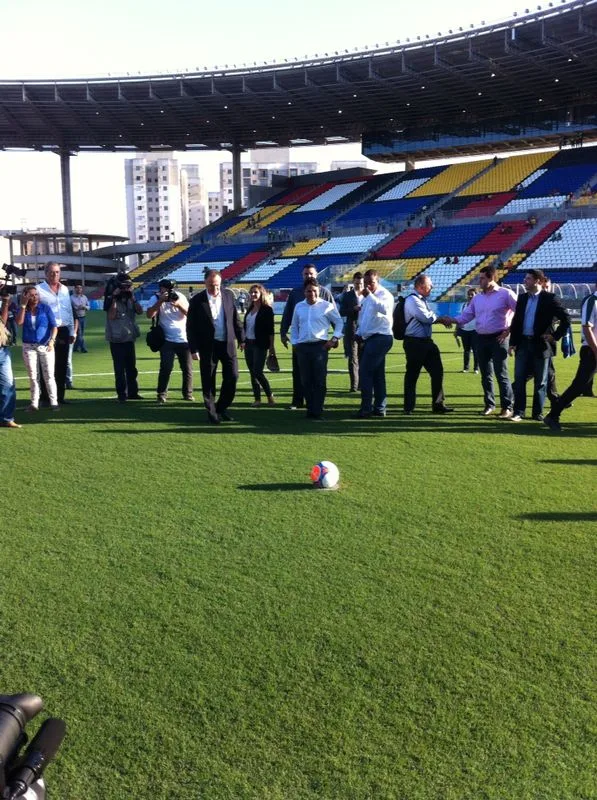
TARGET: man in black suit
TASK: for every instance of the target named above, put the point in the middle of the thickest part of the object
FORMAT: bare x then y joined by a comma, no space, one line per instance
533,338
213,329
349,309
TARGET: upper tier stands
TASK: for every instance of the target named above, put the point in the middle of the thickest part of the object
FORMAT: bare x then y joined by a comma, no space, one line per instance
506,174
518,203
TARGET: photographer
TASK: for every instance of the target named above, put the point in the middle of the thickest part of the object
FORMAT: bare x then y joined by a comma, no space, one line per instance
8,392
121,332
171,309
39,339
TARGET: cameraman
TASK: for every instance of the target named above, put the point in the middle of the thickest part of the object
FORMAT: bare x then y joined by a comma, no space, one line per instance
8,392
121,332
171,309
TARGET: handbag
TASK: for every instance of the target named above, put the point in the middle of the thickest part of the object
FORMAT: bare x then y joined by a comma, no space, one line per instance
271,362
155,337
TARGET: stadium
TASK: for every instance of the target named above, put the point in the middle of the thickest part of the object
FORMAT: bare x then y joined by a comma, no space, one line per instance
207,624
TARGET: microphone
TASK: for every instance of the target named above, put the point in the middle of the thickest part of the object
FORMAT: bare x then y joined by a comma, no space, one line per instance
41,750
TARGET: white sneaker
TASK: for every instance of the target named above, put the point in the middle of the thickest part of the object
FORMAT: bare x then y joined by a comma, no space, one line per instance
516,418
487,412
507,413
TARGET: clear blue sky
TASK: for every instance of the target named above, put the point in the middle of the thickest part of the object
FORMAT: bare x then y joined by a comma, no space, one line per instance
68,38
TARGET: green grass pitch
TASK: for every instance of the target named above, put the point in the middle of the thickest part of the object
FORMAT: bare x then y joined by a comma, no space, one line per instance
211,627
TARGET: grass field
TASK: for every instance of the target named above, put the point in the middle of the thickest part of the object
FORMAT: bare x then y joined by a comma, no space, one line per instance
211,627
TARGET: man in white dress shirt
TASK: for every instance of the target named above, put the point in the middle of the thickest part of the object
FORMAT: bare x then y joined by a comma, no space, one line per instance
57,296
374,329
311,321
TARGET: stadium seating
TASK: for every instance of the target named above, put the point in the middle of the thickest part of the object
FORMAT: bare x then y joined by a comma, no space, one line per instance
507,174
576,250
480,206
443,275
301,248
525,205
331,196
500,238
349,244
402,242
450,240
451,178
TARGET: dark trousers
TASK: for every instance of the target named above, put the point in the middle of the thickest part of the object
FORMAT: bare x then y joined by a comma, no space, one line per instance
587,366
422,354
298,396
527,361
255,357
313,364
493,357
353,350
61,348
372,372
12,329
208,363
168,352
469,345
125,370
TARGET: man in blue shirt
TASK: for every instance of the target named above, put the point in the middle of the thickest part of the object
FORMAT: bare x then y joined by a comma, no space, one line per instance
420,349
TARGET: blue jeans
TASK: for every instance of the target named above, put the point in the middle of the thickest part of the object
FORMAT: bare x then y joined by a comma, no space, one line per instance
527,362
8,392
372,372
80,340
493,356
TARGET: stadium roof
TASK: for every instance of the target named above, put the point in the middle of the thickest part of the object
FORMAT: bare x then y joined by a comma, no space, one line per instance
546,60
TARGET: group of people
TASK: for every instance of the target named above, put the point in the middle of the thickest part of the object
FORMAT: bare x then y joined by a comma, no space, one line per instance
493,324
53,324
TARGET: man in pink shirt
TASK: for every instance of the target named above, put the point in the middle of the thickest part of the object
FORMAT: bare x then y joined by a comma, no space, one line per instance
492,309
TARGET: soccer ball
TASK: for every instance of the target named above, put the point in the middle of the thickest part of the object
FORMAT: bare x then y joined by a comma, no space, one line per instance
325,475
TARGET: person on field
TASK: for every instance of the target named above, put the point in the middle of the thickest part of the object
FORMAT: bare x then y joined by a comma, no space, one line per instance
121,332
171,309
587,363
532,339
420,349
311,321
492,309
374,330
213,331
297,295
259,341
350,307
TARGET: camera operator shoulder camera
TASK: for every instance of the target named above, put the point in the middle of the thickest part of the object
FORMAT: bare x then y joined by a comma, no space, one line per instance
119,286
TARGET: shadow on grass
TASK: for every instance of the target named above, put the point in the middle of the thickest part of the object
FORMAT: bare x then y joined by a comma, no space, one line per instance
275,487
586,462
560,516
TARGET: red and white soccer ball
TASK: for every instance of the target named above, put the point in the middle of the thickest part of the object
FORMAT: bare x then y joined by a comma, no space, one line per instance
325,475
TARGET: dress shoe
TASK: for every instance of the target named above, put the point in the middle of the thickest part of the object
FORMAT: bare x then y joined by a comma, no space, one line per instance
361,415
538,417
223,416
442,410
213,419
552,422
10,424
378,413
408,412
487,412
506,413
135,397
317,417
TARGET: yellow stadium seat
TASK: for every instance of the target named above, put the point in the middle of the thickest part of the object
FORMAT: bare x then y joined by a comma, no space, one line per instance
155,262
301,248
451,178
506,175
